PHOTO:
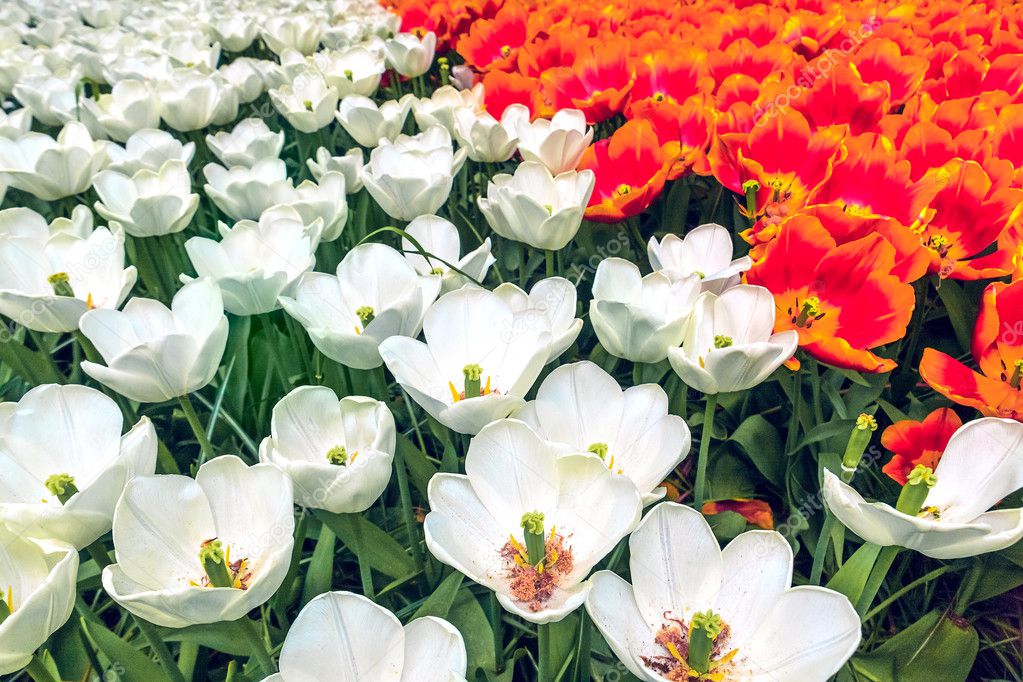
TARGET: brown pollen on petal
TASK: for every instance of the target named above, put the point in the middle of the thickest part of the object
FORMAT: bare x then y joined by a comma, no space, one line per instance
535,585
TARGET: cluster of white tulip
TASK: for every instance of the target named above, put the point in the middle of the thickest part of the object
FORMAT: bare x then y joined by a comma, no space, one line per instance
551,486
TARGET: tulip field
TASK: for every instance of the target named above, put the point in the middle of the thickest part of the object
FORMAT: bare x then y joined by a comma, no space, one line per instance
511,340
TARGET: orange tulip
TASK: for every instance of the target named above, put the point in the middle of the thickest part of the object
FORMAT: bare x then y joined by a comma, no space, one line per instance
841,299
998,352
918,442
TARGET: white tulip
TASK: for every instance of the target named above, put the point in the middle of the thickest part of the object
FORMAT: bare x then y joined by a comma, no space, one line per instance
148,203
244,193
730,344
338,455
368,123
770,630
705,251
349,165
235,32
322,201
103,13
153,353
549,305
581,408
148,148
982,464
245,76
130,107
65,462
580,509
50,276
300,32
375,295
471,340
39,579
439,238
487,139
409,55
536,208
359,641
441,107
307,102
51,99
192,101
355,71
412,176
255,262
245,512
15,124
248,142
52,169
640,318
557,143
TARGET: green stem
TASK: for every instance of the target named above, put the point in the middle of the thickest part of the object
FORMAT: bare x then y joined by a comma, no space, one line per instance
549,260
99,554
544,669
257,645
38,671
409,513
205,446
706,435
160,649
495,613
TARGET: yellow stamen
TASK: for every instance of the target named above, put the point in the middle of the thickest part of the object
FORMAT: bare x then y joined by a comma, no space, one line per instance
455,395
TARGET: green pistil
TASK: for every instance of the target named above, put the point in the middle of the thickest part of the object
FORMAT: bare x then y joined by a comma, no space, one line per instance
337,455
61,284
918,484
1017,374
722,341
61,485
536,546
811,309
473,374
705,629
214,562
365,315
599,449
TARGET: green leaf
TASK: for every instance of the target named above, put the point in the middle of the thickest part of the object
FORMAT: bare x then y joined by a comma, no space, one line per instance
368,542
129,663
439,603
936,647
962,311
727,524
468,616
822,432
217,636
852,577
759,439
320,571
998,576
420,469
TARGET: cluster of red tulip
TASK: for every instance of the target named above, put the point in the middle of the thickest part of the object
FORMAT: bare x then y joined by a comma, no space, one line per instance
875,143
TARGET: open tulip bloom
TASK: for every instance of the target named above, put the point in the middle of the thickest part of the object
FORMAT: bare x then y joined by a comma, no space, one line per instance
694,611
476,364
550,304
255,263
51,275
358,641
705,251
944,513
376,295
337,454
38,594
223,551
730,344
154,353
581,408
439,237
640,318
528,521
64,462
